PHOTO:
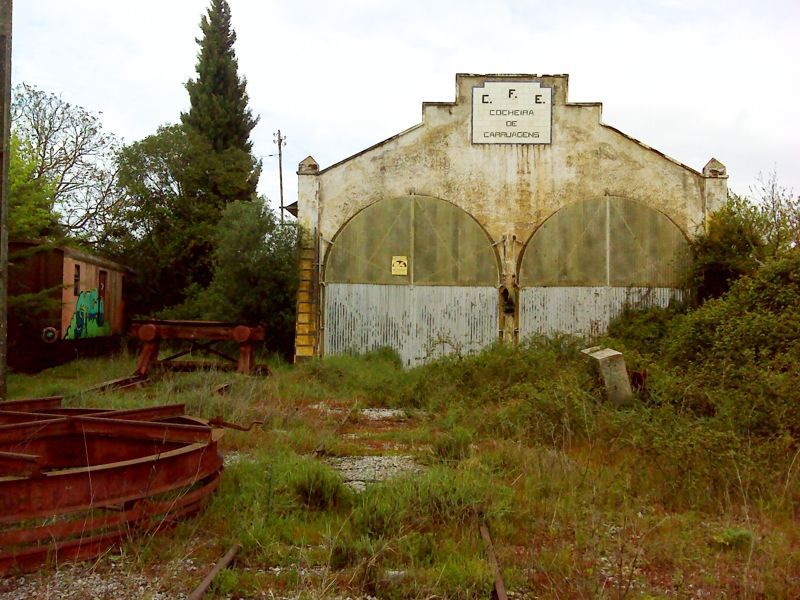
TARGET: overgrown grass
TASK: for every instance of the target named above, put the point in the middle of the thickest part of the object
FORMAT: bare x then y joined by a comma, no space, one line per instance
694,487
453,445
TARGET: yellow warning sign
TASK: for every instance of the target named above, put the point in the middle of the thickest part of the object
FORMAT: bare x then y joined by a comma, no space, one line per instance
399,265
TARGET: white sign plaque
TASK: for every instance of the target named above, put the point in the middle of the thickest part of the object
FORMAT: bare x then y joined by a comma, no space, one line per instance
511,112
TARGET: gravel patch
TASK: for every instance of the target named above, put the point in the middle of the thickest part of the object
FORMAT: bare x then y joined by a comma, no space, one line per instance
382,414
324,408
235,457
360,471
99,581
367,414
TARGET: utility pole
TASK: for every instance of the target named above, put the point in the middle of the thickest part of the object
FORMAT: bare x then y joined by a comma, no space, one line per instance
281,141
6,8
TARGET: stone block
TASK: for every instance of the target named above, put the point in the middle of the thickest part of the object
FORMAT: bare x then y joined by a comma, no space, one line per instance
610,365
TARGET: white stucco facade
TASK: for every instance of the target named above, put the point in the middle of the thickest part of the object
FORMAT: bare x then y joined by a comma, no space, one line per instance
539,158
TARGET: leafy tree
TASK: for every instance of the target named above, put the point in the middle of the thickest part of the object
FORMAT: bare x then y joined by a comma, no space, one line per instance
733,246
177,182
72,154
255,274
30,216
171,213
744,235
30,197
779,211
218,96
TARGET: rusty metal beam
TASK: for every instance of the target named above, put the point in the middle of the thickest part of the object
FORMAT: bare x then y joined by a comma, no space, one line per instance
72,411
200,590
65,529
82,548
499,585
31,431
195,330
104,472
17,433
121,383
33,404
172,432
6,12
100,486
19,464
85,547
8,417
202,335
149,413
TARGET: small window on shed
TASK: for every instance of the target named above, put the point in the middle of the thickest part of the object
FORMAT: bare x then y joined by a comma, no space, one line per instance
76,282
103,287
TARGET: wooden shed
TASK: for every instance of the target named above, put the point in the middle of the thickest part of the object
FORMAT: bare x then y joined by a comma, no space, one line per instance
62,303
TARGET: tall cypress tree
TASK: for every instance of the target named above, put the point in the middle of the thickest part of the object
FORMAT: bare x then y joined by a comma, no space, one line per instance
218,96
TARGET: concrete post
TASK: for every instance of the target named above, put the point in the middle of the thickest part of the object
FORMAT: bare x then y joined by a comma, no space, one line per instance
610,365
308,195
715,188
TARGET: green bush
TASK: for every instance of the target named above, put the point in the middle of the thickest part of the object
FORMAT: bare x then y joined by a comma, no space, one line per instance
642,329
743,235
758,321
381,510
347,552
226,582
733,246
485,377
254,276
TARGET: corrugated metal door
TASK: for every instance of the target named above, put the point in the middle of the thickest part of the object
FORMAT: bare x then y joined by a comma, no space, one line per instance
583,310
420,322
445,301
591,259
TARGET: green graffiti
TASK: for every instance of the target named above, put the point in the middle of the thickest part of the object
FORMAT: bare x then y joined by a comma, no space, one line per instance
89,319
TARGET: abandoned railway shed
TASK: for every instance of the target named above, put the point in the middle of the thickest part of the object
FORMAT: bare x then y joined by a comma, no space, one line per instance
507,213
64,302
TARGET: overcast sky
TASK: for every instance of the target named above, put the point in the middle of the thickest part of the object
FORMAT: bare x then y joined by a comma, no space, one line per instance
692,79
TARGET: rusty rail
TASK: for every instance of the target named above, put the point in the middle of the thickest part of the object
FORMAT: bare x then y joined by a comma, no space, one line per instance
499,586
200,590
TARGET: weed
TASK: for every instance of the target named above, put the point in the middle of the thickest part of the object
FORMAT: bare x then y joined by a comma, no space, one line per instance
225,582
440,496
453,445
347,552
318,486
373,378
733,538
583,500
